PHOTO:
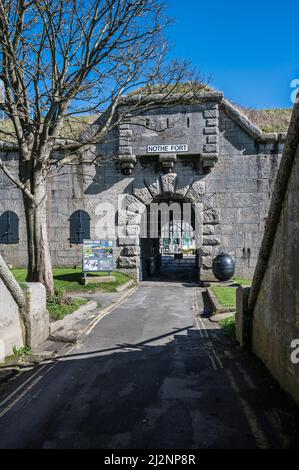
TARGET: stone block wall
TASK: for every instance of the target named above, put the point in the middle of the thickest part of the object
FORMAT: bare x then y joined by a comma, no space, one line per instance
12,328
235,169
276,310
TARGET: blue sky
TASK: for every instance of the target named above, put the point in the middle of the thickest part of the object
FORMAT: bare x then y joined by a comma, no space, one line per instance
250,49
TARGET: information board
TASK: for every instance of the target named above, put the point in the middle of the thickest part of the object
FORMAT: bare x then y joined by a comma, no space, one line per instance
97,256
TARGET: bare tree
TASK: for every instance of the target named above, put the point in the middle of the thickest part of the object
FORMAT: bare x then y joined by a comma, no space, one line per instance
60,58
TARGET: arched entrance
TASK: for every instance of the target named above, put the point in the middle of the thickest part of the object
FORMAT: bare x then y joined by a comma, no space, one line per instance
169,188
170,247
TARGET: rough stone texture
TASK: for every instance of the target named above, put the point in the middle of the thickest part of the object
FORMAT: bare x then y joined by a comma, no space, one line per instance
212,139
237,190
207,262
208,230
142,192
211,216
133,219
196,191
133,230
211,122
131,251
168,183
211,240
183,184
12,329
154,186
243,318
128,241
210,113
127,262
37,313
133,205
276,310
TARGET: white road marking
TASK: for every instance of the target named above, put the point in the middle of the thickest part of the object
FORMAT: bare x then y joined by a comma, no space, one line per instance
9,397
106,311
204,332
24,393
218,359
212,361
30,382
259,435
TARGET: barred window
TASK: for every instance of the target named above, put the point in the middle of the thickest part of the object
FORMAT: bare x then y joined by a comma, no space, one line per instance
9,228
79,227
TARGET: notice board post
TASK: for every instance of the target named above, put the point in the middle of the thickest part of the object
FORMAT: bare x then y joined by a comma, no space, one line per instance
97,257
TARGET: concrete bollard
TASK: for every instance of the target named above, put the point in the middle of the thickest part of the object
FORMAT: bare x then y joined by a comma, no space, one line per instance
38,316
243,318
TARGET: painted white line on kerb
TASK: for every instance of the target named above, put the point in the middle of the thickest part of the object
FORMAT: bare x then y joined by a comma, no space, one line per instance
204,328
259,435
204,332
9,397
106,311
218,359
30,382
199,328
199,317
11,405
212,361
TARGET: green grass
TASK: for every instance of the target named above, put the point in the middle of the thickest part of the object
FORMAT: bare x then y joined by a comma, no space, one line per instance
58,311
269,120
229,326
243,281
225,295
72,128
22,351
68,279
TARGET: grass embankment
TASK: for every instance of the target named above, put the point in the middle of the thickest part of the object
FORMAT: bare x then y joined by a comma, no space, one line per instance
226,295
58,309
67,280
229,326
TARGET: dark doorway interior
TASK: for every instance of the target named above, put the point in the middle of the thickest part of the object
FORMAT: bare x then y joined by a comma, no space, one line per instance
168,246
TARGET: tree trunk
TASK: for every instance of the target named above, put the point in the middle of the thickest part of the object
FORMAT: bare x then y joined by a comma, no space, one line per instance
12,285
39,258
17,294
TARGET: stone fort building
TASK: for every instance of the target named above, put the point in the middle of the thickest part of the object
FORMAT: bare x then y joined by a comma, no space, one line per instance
207,153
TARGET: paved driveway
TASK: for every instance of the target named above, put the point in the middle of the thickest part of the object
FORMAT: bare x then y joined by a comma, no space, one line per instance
154,373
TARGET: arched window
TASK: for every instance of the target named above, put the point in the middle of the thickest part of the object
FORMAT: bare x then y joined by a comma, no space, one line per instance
9,228
79,227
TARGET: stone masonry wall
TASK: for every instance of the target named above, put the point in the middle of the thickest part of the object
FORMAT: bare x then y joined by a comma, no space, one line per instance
236,196
276,312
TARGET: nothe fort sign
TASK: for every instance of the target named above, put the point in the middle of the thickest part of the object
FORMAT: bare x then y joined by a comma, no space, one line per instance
168,148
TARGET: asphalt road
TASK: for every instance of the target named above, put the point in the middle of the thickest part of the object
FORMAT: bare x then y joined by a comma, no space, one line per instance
156,374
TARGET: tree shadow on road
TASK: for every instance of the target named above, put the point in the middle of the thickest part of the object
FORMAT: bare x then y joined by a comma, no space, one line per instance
182,389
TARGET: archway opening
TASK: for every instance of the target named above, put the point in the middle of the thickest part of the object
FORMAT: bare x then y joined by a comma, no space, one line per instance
169,242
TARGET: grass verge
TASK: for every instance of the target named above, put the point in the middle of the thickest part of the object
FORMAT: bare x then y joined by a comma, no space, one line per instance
242,281
69,279
229,326
58,311
226,295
